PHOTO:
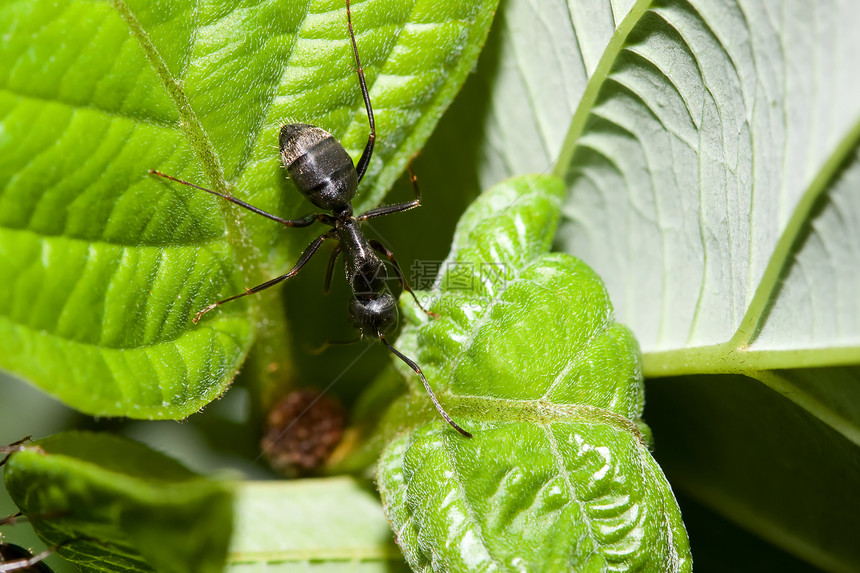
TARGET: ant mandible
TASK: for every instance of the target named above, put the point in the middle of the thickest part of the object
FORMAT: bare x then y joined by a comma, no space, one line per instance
323,171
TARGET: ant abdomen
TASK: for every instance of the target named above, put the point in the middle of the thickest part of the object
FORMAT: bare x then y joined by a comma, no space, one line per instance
318,165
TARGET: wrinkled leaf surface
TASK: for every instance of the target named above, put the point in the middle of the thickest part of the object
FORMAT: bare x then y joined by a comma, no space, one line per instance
527,356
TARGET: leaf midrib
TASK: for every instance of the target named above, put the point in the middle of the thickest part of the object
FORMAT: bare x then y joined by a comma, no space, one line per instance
188,123
541,411
199,141
495,297
763,367
758,310
595,83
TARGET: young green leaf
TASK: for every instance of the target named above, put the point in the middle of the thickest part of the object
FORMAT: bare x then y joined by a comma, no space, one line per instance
110,504
101,265
527,356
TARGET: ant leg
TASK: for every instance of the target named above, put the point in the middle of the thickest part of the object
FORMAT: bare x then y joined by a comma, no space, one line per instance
12,519
305,221
380,248
23,560
418,371
331,262
309,251
364,160
399,207
328,344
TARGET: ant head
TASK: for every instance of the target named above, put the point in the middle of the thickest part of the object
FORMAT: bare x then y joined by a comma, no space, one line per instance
319,166
373,316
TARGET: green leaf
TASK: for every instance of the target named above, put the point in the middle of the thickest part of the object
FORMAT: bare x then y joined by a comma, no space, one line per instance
527,356
110,504
318,524
127,508
101,265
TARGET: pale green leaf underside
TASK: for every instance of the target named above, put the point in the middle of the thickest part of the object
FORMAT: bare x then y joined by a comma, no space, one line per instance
703,135
547,53
818,306
319,525
681,162
706,142
527,357
102,266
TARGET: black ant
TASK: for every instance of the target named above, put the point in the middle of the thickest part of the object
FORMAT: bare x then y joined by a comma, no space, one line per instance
16,558
323,171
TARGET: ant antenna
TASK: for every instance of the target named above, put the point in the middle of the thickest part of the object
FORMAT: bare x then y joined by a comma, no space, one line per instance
315,350
417,370
364,160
